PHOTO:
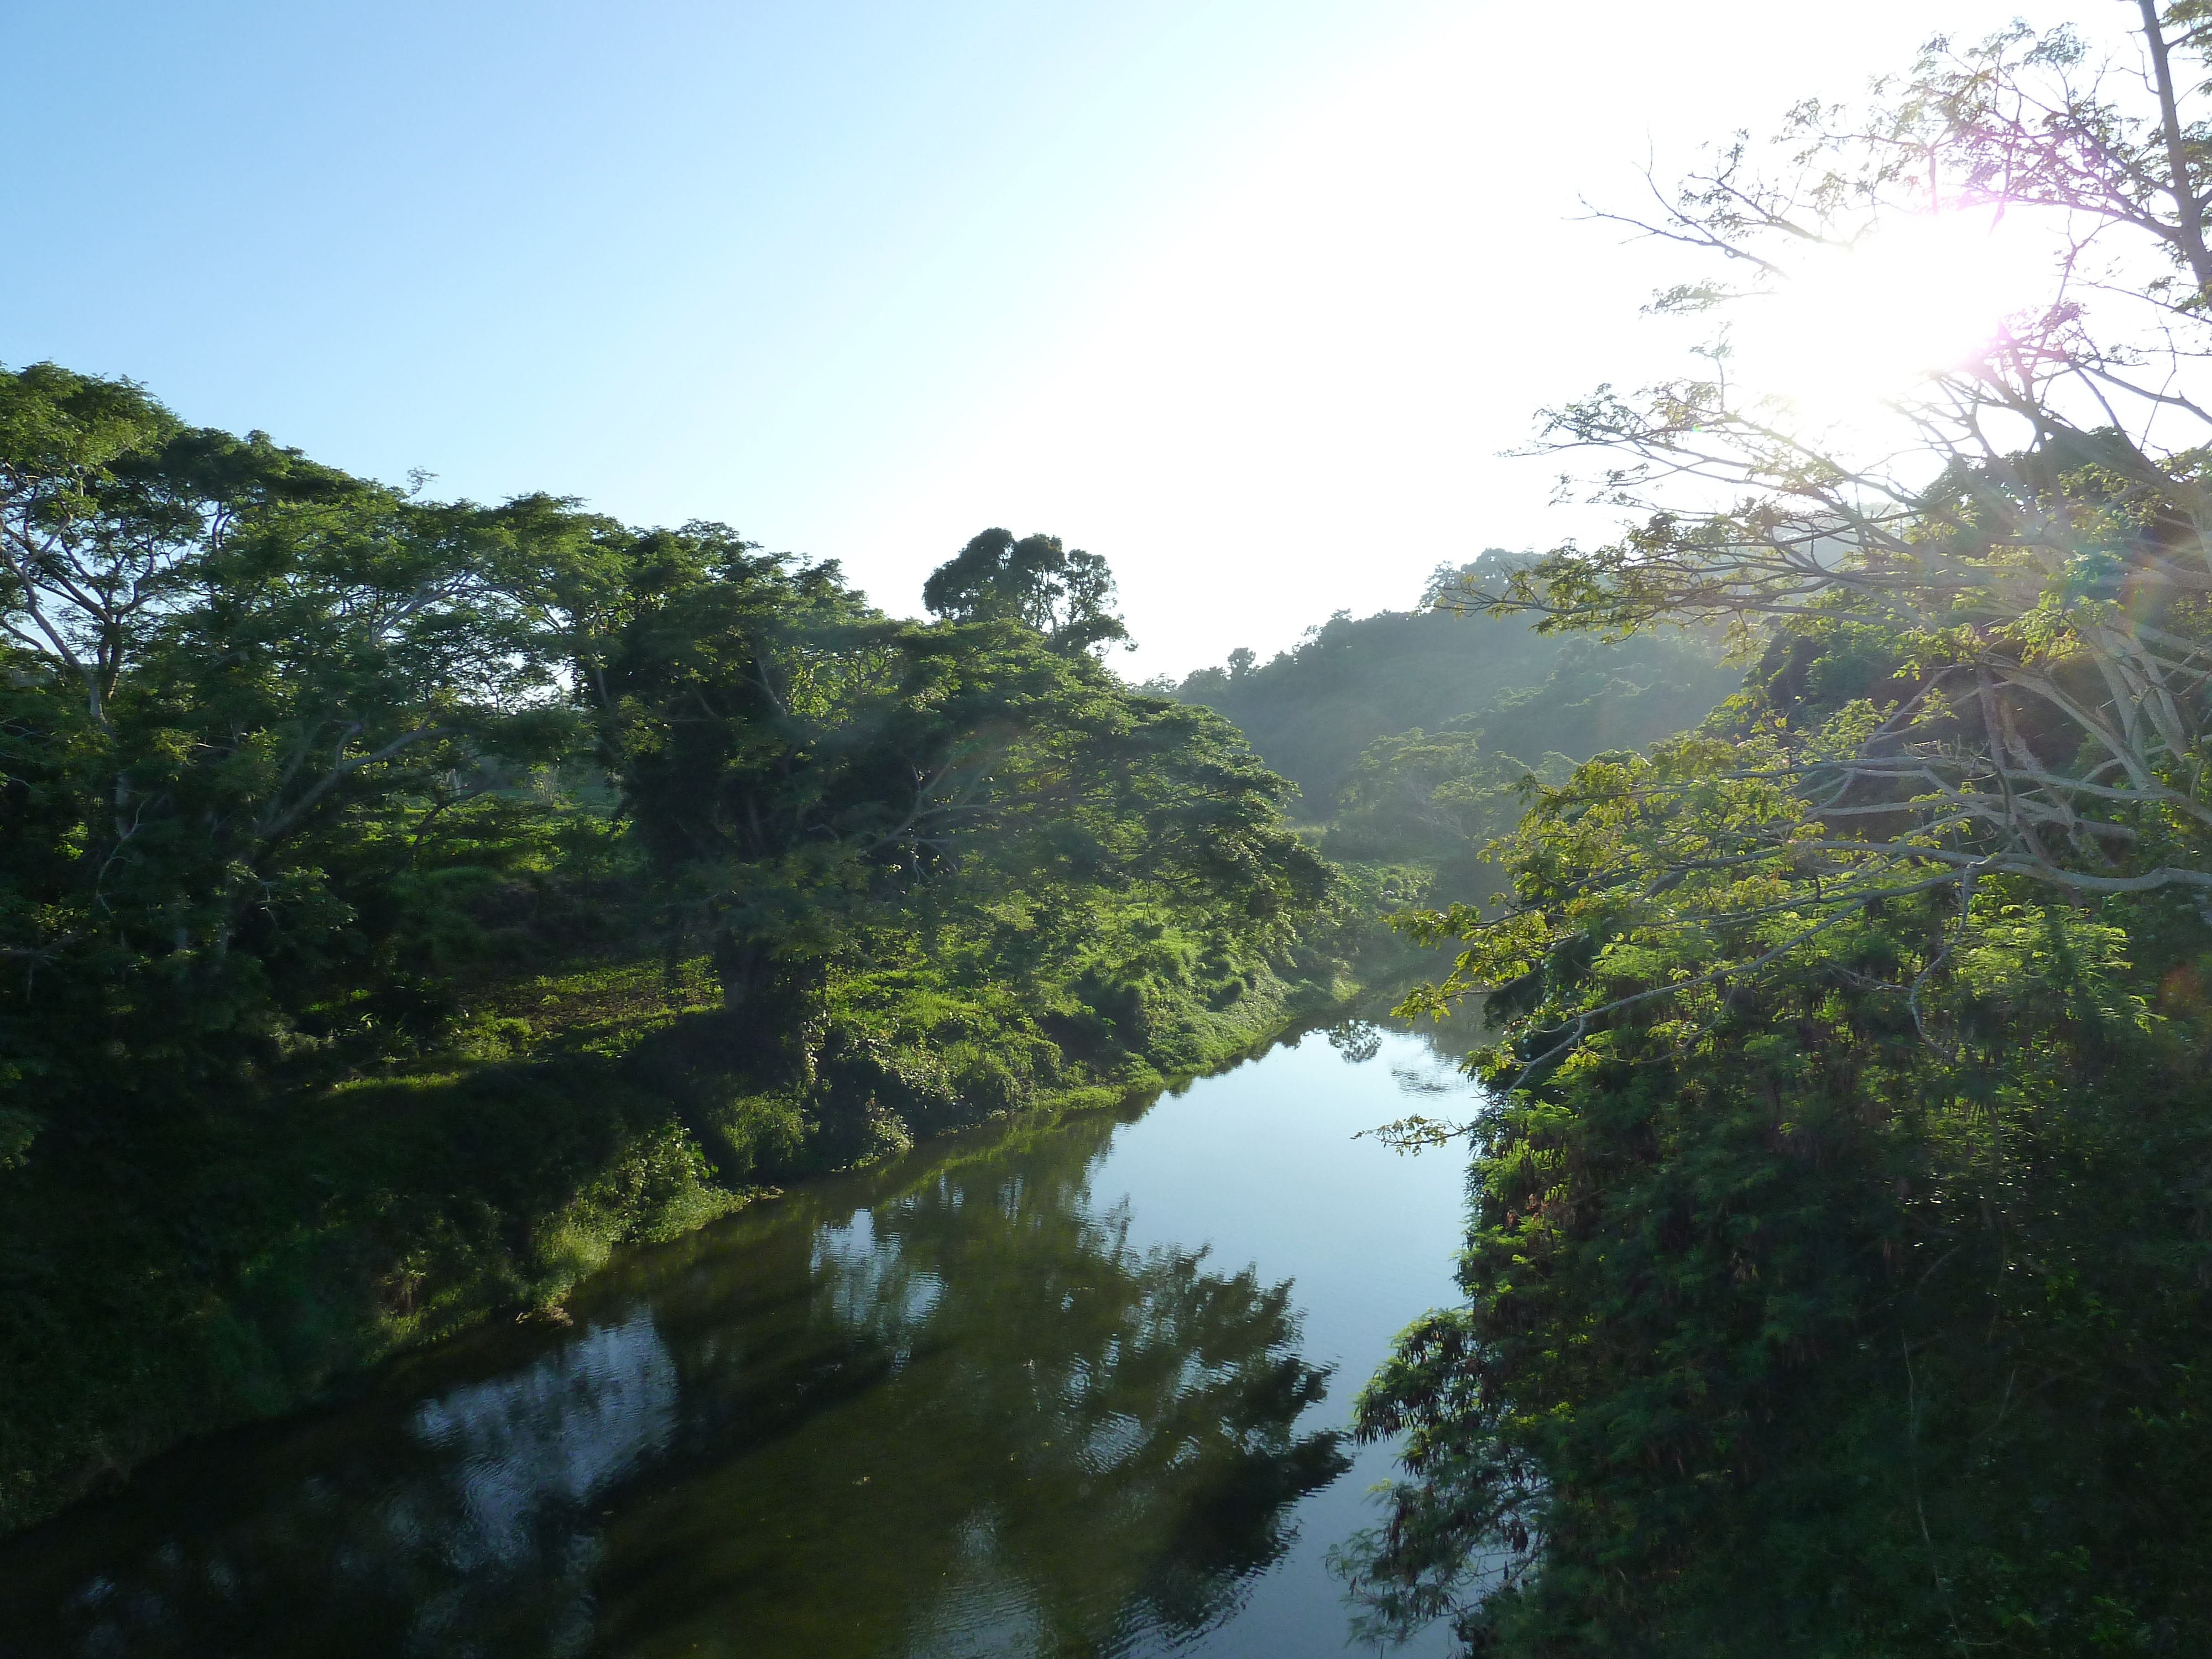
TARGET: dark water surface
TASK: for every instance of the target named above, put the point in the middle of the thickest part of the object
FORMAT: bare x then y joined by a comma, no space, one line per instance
1030,1392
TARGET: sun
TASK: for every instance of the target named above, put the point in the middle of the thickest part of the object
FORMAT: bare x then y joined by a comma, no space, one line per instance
1851,332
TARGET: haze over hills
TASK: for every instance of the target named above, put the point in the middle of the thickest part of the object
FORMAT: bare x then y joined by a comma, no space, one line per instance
1371,716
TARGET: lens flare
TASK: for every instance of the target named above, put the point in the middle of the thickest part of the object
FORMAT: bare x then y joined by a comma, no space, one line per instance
1853,329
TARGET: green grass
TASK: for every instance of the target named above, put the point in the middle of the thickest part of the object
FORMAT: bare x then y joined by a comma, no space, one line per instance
243,1260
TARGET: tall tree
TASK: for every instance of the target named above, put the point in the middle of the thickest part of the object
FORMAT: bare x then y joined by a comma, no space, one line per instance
1064,594
807,768
2024,569
1833,1282
219,657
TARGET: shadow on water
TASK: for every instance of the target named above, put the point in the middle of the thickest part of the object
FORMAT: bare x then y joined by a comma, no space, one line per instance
951,1408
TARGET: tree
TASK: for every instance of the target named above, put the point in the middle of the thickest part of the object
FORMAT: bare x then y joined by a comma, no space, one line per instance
1833,1283
227,667
1067,595
807,770
2023,573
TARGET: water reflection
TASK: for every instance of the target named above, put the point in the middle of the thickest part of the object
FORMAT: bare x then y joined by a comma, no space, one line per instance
950,1410
548,1437
1048,1440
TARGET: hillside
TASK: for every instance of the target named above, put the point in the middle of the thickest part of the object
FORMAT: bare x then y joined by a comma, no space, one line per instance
1409,732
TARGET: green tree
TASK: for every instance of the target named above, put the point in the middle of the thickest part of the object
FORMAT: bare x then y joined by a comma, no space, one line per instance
809,770
342,833
1066,594
231,675
2033,575
1834,1278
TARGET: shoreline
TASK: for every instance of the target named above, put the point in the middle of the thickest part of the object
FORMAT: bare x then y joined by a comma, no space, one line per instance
370,1274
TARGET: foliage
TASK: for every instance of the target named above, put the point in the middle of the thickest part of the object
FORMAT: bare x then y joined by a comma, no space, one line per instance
1442,795
401,902
2032,555
1312,713
1837,1279
225,666
825,781
1065,594
1790,1332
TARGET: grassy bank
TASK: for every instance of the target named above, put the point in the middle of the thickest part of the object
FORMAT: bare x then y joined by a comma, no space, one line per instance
259,1250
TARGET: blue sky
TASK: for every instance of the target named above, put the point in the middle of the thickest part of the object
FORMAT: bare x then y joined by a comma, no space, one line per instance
1245,296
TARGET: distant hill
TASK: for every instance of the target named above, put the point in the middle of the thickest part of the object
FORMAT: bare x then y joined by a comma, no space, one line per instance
1313,711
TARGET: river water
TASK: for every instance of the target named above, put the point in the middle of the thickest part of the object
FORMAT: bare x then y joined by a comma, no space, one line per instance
1067,1391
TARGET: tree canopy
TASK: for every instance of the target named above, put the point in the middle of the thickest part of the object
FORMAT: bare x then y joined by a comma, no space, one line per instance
1064,594
425,895
1835,1282
2016,594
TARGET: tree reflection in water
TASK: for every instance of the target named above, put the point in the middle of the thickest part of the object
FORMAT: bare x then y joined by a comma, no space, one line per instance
950,1410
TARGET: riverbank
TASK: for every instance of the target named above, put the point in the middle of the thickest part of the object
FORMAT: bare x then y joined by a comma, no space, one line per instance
1075,1380
250,1258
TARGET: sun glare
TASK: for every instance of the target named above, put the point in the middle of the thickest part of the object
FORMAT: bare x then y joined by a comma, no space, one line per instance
1852,330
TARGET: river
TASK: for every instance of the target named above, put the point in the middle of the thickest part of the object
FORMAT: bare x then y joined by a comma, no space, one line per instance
1071,1390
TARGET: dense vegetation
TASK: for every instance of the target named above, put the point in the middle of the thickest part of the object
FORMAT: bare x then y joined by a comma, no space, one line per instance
1463,701
402,901
1853,1305
1839,1271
